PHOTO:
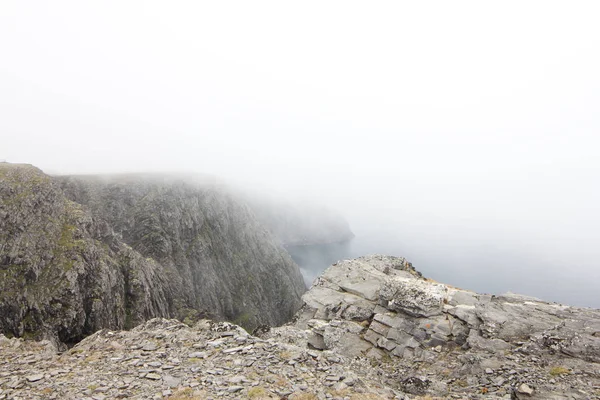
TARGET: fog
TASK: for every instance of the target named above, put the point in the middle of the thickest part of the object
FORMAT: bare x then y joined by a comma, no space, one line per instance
461,135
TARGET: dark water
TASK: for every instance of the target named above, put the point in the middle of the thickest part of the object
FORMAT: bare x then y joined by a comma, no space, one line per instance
484,269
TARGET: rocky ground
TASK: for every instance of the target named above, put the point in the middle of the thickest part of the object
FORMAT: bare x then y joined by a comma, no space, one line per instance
370,328
167,359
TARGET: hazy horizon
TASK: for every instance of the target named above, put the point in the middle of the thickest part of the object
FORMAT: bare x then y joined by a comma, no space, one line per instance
463,136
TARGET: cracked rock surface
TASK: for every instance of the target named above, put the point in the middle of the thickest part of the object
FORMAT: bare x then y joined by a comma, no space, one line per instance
448,341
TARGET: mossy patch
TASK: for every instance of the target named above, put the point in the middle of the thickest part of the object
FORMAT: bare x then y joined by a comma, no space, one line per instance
556,371
257,392
246,321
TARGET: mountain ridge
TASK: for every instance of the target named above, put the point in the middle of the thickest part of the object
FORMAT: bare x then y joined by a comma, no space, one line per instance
131,252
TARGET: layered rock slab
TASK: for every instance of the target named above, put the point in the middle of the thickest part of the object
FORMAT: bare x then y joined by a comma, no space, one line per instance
381,308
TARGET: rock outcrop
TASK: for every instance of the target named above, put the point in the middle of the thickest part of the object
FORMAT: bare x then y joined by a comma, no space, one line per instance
78,255
381,308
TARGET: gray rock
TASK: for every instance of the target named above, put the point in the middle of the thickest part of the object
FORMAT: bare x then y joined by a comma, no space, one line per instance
492,345
417,320
499,381
84,253
525,389
151,346
414,297
462,298
171,381
153,376
35,378
316,341
155,364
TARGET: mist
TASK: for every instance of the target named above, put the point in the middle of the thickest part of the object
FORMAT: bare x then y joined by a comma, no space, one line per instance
461,136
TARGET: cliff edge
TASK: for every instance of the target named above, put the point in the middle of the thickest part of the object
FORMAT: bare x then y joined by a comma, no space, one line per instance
435,339
82,254
371,328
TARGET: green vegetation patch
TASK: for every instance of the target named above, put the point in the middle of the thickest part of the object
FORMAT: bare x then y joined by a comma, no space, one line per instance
556,371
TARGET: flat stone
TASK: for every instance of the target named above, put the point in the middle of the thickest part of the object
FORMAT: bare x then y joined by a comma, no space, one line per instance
356,277
233,350
153,376
150,347
492,345
35,378
171,381
379,328
463,297
372,337
198,354
500,381
238,379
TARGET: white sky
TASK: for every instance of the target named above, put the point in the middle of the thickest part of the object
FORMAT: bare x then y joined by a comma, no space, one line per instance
430,116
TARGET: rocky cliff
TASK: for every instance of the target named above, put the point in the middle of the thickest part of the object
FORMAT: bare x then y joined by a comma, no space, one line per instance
371,328
435,339
81,254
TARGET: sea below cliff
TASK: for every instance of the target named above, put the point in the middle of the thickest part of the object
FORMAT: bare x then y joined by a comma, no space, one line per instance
481,268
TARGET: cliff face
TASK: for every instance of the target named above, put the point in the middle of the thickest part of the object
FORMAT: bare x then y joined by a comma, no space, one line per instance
217,256
77,255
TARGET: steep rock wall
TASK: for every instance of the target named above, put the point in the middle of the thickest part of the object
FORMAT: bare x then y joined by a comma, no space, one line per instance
219,258
115,254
